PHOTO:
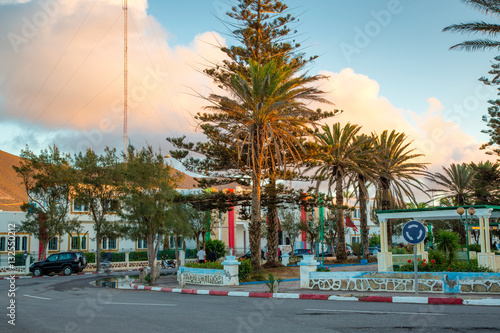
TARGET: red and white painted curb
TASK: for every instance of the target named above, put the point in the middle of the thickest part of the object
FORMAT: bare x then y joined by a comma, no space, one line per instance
389,299
86,273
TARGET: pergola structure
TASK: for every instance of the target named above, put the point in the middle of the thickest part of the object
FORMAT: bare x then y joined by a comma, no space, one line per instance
482,213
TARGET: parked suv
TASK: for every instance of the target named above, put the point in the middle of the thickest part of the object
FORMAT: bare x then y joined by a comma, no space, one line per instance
300,252
65,262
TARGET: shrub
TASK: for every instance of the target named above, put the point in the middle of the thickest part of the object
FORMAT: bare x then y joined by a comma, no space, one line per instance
374,240
218,246
399,250
432,266
208,264
272,284
322,268
475,247
438,257
449,242
90,256
20,261
244,270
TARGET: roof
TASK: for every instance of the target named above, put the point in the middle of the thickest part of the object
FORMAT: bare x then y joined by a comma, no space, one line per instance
12,192
438,213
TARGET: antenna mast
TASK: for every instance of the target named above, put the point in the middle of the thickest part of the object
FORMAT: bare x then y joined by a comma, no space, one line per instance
125,76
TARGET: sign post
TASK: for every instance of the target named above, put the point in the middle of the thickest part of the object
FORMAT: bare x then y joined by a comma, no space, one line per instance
414,233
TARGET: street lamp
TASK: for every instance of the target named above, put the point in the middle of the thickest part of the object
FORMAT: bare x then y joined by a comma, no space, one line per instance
471,211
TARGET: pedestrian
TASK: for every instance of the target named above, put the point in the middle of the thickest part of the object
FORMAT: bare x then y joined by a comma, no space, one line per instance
212,256
201,256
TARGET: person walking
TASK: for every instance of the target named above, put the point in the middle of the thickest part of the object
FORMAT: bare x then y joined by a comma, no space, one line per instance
212,256
201,256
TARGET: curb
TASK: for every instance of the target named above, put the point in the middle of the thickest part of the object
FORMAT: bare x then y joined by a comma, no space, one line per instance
323,297
47,276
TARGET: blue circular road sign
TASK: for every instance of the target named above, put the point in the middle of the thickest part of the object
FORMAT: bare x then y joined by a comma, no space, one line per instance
414,232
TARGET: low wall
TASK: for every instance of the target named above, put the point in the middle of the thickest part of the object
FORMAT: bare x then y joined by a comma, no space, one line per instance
201,276
433,282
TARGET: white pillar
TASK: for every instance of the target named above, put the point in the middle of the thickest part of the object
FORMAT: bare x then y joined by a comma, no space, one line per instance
384,257
182,258
27,264
481,234
231,269
285,259
307,265
487,244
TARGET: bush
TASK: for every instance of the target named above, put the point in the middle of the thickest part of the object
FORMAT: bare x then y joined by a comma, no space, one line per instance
218,246
208,264
475,247
399,250
374,240
432,266
322,268
438,257
90,256
449,242
20,261
244,270
138,256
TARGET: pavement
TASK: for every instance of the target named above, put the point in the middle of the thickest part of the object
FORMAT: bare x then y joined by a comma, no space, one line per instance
290,289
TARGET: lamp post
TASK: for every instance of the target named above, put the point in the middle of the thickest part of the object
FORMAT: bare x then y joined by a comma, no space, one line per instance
471,211
322,230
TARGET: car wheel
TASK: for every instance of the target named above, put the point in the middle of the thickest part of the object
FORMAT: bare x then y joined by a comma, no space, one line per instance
37,272
67,270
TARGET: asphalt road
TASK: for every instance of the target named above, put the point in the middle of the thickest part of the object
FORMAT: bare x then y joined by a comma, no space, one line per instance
72,304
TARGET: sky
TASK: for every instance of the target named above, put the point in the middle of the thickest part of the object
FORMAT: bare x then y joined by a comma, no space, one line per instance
388,65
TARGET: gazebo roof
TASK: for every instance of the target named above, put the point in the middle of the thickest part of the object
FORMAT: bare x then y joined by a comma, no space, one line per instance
437,213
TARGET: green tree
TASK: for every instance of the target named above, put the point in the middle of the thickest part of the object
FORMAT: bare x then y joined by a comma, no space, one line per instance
486,183
147,203
448,242
97,186
456,185
397,171
264,114
47,179
490,7
290,225
337,156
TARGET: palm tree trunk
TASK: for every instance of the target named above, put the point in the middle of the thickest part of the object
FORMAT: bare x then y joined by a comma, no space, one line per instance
363,219
386,205
341,250
272,227
255,231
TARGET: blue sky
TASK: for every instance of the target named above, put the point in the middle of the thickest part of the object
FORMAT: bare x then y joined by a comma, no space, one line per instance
388,63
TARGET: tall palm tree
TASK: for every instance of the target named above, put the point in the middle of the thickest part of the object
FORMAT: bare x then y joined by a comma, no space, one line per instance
265,114
456,186
488,7
362,177
397,172
339,153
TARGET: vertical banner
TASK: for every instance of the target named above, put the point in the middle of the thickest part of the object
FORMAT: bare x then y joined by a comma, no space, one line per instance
231,225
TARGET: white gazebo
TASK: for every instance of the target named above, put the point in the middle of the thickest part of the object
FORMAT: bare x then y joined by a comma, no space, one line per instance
482,213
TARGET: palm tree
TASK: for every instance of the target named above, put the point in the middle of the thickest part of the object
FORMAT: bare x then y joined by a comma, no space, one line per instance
339,154
488,7
486,182
396,172
456,186
265,114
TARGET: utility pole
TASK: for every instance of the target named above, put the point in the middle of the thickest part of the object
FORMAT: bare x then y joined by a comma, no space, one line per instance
125,76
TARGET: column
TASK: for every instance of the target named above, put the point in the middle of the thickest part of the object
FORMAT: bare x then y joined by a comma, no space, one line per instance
384,257
307,265
485,258
231,270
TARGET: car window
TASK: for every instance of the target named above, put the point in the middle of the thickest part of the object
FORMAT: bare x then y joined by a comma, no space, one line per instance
65,256
53,258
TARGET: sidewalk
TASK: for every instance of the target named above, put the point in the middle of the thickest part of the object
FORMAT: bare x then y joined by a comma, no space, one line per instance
290,289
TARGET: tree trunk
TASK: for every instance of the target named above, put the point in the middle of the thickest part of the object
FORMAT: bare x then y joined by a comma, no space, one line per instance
272,228
255,228
43,255
98,251
386,205
341,250
363,219
151,259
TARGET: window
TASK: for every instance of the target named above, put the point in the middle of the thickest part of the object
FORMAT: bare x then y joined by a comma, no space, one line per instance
84,242
78,242
2,243
142,243
54,244
24,243
356,213
113,205
21,243
53,257
80,208
109,243
355,239
112,243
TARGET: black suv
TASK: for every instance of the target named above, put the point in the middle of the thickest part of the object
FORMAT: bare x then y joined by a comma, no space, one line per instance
248,255
300,252
65,262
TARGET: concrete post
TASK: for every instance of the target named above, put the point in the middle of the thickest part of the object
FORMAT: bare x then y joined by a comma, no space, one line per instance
182,258
384,257
127,261
285,259
27,265
231,271
307,265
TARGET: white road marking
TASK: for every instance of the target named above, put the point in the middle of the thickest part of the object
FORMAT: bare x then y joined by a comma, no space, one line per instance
119,303
380,312
48,299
